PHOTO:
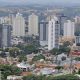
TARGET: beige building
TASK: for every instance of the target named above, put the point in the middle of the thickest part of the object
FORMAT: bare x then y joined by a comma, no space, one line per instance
69,28
19,25
33,24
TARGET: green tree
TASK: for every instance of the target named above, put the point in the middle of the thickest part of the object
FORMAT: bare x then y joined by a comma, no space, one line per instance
55,51
66,44
64,49
38,57
66,77
77,58
30,77
14,51
29,49
22,58
79,71
7,70
59,68
67,50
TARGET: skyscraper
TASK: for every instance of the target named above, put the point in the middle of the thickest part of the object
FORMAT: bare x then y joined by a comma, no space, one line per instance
69,28
33,24
19,25
43,33
5,35
62,19
0,35
53,33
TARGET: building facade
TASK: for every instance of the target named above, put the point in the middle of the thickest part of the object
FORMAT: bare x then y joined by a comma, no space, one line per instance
33,24
43,33
19,25
53,33
69,28
5,35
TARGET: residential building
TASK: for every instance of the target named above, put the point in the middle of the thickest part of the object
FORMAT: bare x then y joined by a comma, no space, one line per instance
69,28
5,35
53,33
43,33
33,25
19,25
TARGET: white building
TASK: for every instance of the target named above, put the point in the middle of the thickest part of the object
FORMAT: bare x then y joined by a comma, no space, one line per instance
69,28
77,19
53,33
19,25
33,24
4,20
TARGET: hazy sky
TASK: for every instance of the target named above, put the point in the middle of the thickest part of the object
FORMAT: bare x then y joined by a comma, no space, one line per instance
43,1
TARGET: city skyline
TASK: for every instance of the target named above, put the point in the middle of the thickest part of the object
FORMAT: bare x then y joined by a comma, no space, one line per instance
41,1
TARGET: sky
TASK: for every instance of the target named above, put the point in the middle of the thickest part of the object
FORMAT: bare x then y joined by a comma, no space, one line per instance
41,1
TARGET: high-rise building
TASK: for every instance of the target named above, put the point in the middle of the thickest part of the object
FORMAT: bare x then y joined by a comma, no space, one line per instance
77,19
0,35
33,24
69,28
4,20
43,33
11,19
7,19
53,33
5,35
77,28
62,19
19,25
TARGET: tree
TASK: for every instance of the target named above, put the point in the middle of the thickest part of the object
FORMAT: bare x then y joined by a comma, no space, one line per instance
22,58
79,71
30,77
14,51
66,44
67,50
7,70
38,57
66,77
43,77
77,58
29,49
55,51
59,68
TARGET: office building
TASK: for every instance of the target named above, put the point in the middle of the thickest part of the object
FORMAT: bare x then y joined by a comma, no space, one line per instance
53,33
